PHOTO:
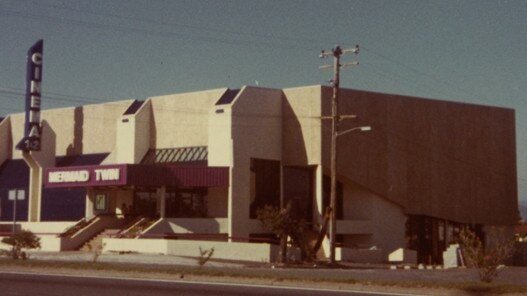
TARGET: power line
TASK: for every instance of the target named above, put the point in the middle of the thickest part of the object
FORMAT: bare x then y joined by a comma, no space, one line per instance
174,24
224,40
148,32
434,78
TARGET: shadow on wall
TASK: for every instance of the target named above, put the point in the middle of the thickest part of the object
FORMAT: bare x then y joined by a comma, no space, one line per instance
78,121
153,129
50,140
187,226
293,143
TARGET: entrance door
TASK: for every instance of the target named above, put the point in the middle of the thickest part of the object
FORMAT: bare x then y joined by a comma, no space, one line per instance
145,204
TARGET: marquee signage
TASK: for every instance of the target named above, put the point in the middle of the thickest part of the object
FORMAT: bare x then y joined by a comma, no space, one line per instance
69,176
32,127
89,176
110,175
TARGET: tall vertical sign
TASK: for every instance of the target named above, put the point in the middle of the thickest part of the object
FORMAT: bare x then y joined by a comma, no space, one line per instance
33,128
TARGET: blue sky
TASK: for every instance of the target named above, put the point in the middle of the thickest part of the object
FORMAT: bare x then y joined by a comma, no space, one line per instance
103,50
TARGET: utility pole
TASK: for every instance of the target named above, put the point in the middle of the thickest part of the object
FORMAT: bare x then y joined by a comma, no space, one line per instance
335,119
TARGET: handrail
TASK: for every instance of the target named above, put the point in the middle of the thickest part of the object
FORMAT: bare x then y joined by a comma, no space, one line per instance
80,225
89,223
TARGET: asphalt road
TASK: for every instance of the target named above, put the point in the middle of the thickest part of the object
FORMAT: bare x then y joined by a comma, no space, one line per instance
12,284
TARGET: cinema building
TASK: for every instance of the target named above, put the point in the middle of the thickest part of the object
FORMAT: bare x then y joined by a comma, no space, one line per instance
174,173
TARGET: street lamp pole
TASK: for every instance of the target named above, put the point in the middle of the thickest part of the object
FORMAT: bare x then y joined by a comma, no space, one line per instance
337,52
335,119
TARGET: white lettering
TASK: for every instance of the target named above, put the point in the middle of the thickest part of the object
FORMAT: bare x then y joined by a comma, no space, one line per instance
35,101
36,58
35,87
69,176
107,175
34,132
36,74
34,116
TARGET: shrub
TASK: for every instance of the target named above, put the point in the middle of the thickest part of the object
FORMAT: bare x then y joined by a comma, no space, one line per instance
283,225
204,256
486,260
23,239
96,251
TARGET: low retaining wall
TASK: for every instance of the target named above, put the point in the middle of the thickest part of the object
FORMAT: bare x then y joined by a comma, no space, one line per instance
47,232
359,255
255,252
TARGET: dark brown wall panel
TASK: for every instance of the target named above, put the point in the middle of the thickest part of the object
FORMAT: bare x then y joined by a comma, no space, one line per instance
443,159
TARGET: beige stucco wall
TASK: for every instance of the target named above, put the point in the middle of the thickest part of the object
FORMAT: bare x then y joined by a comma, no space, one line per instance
249,127
222,250
302,126
5,135
99,130
375,220
181,120
78,130
220,136
190,225
133,135
17,133
44,227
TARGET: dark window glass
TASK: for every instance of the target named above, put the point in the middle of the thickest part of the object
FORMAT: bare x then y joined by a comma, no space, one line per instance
186,203
265,181
298,189
145,204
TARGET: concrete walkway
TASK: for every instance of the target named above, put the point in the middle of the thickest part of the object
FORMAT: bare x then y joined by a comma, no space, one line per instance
510,275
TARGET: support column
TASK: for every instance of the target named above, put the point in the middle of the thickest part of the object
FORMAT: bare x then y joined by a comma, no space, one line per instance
319,196
230,207
161,193
35,184
37,161
89,204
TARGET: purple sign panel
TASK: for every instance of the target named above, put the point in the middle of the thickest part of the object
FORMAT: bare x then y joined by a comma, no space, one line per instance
86,176
32,128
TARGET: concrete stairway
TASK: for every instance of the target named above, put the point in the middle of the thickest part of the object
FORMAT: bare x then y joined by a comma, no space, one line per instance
96,241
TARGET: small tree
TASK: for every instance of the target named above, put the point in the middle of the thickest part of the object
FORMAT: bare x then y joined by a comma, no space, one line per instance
96,250
23,239
204,256
283,225
486,260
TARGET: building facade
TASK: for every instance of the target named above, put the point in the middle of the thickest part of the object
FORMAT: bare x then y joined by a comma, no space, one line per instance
175,172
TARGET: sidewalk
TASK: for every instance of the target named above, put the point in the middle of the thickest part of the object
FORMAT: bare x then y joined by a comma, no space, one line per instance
509,275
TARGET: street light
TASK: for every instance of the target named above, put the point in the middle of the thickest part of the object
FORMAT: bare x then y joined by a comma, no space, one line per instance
366,128
333,194
335,119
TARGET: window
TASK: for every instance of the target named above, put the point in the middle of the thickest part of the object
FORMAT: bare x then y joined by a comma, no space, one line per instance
145,204
101,202
298,190
180,203
265,184
186,203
